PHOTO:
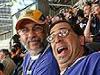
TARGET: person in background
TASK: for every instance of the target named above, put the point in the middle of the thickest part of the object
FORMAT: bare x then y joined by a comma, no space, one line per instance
67,42
32,29
87,9
81,21
1,69
7,61
16,49
92,30
17,53
70,16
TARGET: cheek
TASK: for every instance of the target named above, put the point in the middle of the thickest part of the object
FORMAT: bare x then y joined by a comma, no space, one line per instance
53,49
23,39
52,46
72,41
41,35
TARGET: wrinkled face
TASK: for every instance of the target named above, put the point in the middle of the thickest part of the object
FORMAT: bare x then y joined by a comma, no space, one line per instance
65,43
32,35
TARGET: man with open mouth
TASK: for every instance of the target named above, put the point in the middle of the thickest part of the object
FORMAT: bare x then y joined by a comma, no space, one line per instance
67,42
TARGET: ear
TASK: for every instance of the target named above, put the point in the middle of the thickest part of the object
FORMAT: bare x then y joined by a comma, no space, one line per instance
82,40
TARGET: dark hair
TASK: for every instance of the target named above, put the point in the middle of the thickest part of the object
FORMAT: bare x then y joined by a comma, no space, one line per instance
76,28
1,67
61,15
5,51
80,13
15,38
88,3
15,42
15,47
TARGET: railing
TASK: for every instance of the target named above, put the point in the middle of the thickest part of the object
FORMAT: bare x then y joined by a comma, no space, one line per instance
5,35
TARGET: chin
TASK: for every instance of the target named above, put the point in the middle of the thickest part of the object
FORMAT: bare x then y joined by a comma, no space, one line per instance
35,51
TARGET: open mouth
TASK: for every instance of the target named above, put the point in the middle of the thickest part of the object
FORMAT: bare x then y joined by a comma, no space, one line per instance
59,50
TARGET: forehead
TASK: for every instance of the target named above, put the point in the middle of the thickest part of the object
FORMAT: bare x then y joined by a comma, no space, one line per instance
59,26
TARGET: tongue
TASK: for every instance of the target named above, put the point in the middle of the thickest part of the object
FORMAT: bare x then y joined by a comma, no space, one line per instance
62,51
59,51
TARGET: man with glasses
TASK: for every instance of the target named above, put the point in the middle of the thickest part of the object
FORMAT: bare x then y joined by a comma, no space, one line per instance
67,42
32,30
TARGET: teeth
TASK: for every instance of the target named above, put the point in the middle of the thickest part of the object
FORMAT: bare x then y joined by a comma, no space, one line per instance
59,50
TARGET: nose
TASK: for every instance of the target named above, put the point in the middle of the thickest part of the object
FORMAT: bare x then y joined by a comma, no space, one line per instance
32,34
57,39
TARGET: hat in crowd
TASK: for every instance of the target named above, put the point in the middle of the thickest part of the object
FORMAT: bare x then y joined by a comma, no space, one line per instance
30,16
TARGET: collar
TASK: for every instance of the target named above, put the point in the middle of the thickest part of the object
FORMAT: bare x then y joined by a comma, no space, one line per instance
35,57
62,72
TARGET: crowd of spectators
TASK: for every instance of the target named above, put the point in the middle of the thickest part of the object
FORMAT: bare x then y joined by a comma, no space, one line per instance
87,18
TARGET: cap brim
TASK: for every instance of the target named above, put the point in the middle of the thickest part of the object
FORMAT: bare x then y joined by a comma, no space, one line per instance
21,22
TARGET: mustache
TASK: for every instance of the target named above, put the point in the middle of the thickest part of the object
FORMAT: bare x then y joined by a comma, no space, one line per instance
33,40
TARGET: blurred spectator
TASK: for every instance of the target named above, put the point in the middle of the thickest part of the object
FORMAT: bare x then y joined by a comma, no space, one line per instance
82,21
48,18
69,15
60,16
87,9
17,53
92,30
93,24
7,61
1,69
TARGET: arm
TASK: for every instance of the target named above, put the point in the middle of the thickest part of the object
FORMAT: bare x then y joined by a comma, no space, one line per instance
48,70
87,32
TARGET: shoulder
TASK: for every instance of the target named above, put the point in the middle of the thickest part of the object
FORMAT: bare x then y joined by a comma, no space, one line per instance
95,55
48,60
9,61
47,57
47,63
93,59
89,65
89,60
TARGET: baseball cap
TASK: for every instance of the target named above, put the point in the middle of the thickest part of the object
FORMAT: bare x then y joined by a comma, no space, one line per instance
30,16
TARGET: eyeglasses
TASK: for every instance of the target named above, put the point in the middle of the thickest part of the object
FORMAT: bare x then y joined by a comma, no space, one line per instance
36,28
62,33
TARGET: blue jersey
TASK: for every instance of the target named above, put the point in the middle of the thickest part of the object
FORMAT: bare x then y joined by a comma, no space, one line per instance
89,65
44,65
